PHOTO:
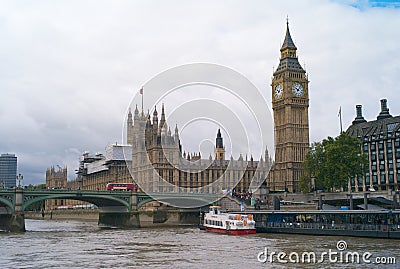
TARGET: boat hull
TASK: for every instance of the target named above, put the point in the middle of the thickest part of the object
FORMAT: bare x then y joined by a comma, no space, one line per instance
231,232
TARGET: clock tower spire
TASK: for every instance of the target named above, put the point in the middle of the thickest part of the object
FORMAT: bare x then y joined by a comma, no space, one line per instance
290,108
288,43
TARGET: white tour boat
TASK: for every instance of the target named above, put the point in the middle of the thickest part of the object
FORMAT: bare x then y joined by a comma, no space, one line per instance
228,223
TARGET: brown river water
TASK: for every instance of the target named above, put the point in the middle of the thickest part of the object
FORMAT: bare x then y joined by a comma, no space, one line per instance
78,244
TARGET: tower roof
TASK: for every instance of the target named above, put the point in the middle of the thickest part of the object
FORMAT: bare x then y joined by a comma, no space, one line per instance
289,64
162,121
219,141
288,42
288,61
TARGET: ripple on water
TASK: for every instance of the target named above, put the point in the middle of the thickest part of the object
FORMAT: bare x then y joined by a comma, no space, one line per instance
74,244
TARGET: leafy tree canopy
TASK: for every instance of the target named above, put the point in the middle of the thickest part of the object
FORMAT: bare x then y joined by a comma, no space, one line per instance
332,162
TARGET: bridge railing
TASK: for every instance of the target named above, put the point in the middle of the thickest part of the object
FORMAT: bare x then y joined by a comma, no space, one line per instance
8,190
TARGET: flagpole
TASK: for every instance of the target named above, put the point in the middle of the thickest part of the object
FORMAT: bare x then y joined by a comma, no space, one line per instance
340,119
141,92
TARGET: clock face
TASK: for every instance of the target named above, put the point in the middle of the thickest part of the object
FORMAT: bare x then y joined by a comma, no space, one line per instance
278,91
297,89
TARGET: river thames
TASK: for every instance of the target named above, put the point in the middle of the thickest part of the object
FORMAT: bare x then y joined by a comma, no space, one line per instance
78,244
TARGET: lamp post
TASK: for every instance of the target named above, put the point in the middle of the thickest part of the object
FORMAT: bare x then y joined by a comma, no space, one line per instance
19,178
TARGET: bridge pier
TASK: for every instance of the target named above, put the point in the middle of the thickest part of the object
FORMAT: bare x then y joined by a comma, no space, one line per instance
119,216
119,219
17,223
150,217
15,220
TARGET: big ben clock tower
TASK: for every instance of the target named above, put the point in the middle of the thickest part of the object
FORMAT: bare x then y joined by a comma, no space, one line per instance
291,129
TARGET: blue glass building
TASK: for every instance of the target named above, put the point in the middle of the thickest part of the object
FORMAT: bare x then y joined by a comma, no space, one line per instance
8,170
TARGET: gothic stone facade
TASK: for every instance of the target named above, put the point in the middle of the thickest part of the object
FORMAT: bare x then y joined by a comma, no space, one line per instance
158,164
56,179
155,161
290,104
94,172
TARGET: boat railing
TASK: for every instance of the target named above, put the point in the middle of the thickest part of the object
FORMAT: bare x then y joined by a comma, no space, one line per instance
329,226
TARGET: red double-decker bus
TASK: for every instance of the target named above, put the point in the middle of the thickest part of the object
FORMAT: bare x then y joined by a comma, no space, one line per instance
121,187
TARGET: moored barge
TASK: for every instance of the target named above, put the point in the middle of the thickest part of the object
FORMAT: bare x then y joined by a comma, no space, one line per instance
359,223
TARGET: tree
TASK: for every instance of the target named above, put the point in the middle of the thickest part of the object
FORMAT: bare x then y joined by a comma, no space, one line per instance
313,167
332,163
36,187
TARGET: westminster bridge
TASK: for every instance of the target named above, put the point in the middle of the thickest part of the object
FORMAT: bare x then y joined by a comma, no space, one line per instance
116,208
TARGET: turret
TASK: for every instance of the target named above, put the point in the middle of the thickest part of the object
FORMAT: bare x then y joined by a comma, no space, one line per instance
136,117
130,122
162,121
176,134
155,120
219,147
129,128
148,122
163,125
266,156
218,141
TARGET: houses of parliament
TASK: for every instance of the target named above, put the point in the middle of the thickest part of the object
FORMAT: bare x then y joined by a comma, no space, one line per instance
154,157
158,164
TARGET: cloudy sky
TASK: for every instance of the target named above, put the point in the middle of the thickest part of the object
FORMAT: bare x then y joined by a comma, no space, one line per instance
69,69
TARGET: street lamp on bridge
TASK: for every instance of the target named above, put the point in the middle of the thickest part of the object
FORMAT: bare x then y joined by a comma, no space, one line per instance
19,178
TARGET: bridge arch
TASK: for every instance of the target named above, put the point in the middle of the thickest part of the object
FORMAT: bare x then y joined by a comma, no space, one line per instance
7,203
99,199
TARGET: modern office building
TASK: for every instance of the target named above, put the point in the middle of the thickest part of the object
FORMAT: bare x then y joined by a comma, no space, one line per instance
381,143
8,170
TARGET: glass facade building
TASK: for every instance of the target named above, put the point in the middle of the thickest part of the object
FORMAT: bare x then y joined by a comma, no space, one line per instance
381,144
8,170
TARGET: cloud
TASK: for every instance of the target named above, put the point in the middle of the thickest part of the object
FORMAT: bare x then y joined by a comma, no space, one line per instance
68,69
